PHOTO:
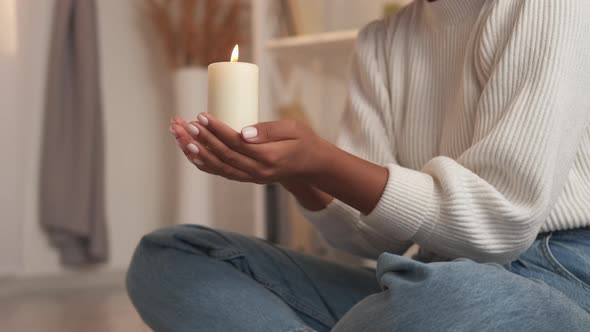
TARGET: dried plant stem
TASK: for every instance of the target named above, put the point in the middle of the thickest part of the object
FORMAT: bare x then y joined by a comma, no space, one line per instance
190,39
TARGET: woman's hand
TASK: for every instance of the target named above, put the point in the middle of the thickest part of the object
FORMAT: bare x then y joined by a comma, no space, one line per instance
262,153
282,151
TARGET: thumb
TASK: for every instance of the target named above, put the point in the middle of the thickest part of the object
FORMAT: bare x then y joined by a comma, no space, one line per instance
273,131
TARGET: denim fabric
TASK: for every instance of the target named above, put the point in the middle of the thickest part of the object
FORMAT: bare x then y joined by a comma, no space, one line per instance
190,278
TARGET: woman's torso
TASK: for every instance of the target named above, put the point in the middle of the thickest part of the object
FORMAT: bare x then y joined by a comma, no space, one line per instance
434,100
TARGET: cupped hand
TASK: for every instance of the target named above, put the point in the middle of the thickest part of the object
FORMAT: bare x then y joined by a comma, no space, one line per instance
262,153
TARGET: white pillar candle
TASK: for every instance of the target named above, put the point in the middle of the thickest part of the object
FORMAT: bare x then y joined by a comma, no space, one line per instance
233,92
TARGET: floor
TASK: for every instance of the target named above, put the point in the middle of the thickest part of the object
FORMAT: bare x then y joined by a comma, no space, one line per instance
97,310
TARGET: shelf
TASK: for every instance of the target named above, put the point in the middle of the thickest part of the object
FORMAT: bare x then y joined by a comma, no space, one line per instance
327,42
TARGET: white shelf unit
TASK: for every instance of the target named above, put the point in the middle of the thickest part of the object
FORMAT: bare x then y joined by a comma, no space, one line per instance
311,70
320,43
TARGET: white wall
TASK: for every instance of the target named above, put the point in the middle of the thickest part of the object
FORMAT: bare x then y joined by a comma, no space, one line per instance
139,151
11,174
140,168
351,14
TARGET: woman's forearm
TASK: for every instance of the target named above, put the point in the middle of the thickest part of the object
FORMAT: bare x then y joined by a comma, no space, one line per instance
355,181
309,197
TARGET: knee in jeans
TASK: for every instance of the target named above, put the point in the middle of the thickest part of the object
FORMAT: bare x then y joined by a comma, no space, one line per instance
145,263
165,236
162,247
141,266
447,279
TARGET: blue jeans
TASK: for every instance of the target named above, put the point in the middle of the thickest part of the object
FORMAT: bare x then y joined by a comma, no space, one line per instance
190,278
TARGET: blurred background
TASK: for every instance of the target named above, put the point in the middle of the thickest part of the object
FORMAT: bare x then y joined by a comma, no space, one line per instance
87,89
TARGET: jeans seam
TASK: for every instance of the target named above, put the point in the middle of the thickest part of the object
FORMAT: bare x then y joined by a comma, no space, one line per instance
295,303
225,254
229,253
332,316
562,270
302,329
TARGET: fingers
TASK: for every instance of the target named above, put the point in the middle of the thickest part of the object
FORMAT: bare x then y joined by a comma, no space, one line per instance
177,127
179,131
177,120
220,149
200,155
182,129
223,132
216,148
266,132
206,161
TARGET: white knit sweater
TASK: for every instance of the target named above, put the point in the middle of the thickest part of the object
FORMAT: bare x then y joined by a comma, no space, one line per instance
480,110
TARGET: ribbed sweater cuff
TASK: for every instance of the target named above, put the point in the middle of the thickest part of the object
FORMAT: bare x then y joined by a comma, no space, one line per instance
337,217
409,204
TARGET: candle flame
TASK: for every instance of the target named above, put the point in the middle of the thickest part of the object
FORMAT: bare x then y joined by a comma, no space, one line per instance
235,54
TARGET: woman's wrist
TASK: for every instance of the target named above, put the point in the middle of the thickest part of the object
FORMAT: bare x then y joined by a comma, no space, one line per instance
308,196
293,185
355,181
333,172
324,158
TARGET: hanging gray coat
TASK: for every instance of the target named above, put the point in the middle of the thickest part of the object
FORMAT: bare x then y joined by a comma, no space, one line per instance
72,208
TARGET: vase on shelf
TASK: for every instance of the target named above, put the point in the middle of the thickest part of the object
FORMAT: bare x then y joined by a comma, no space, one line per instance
195,203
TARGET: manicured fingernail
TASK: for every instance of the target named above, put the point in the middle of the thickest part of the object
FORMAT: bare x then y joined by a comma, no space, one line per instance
193,130
198,162
172,120
249,132
172,130
192,148
203,119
